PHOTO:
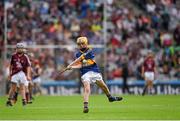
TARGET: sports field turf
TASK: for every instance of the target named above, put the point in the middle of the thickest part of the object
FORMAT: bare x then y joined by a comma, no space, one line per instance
70,107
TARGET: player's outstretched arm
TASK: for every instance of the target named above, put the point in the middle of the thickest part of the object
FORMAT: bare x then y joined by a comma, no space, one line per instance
75,66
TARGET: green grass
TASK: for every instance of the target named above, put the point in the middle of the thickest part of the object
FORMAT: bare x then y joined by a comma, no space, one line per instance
165,107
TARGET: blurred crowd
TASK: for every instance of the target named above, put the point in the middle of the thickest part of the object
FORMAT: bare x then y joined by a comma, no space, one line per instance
128,34
54,23
132,34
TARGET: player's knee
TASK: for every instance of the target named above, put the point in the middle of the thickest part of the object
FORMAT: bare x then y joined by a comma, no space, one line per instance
22,87
151,83
13,87
100,83
27,90
87,90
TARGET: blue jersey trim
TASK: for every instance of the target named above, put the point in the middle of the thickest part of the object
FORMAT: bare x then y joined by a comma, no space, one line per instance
88,55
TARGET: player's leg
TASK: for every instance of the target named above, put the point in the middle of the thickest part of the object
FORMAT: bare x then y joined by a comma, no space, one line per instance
27,92
35,88
11,93
23,87
151,83
39,88
31,90
150,86
15,97
13,86
146,78
105,89
149,76
23,94
86,94
38,85
145,88
103,86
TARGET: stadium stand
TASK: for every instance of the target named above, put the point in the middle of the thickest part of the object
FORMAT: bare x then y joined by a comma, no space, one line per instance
155,25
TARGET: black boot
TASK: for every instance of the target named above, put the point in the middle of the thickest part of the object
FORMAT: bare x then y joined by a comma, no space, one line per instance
112,99
24,103
15,97
86,109
8,103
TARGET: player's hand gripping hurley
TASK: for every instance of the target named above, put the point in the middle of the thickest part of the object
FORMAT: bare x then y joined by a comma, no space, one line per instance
75,64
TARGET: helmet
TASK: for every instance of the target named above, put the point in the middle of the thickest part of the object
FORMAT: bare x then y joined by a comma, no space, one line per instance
82,40
20,45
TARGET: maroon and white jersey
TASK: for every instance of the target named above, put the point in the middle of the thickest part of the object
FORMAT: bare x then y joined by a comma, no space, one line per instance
149,65
19,63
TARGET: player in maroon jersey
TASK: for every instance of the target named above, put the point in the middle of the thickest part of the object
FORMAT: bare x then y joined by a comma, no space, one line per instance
28,87
20,73
37,70
148,72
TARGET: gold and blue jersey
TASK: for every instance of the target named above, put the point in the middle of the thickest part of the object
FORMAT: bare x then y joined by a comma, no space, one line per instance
89,57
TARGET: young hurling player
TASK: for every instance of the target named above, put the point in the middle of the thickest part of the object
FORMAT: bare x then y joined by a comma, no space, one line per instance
19,73
90,73
148,72
37,70
28,87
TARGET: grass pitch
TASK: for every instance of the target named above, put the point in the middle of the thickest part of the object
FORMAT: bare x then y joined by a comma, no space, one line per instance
164,107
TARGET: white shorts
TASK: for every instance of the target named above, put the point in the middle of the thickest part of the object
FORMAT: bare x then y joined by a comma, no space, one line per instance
37,80
20,78
26,83
149,76
91,77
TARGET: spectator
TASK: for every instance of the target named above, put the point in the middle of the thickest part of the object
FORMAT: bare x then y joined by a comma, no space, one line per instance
128,32
176,35
125,75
